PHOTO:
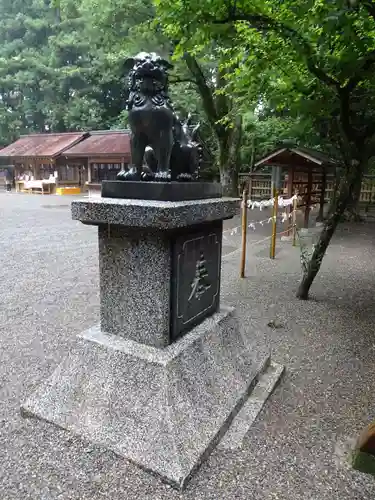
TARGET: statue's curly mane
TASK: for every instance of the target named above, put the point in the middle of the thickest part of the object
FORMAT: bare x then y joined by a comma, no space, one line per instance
153,86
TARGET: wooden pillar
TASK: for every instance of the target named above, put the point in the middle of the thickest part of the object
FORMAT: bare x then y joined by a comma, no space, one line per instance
84,167
244,233
274,222
35,175
290,181
322,195
308,198
290,194
89,177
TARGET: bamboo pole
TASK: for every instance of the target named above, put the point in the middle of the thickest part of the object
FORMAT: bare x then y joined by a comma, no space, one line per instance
244,232
274,217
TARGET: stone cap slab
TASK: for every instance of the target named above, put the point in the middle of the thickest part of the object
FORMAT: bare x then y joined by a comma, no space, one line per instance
153,214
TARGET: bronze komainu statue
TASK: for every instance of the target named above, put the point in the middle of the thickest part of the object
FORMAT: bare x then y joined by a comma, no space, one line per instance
170,150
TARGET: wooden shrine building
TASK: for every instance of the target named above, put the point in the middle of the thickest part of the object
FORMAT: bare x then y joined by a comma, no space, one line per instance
304,171
105,153
71,162
38,164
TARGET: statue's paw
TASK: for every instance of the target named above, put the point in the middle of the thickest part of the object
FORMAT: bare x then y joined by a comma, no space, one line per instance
121,175
130,175
184,177
163,176
147,175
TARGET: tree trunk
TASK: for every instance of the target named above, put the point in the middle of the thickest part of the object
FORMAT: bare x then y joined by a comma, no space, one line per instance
352,211
228,184
218,107
229,158
339,204
333,200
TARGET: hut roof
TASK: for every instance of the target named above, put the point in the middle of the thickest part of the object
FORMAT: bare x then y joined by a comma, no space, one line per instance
42,145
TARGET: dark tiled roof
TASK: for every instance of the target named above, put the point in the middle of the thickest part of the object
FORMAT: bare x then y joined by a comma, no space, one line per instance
310,154
100,143
319,155
42,145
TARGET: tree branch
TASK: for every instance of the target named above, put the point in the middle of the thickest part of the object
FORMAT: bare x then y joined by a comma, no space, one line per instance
183,80
265,23
222,100
369,5
344,95
204,90
369,130
368,62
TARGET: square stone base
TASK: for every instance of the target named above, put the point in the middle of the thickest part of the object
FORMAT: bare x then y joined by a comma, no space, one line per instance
164,409
163,191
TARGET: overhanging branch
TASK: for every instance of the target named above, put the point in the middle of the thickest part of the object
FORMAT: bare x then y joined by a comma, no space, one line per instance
182,80
344,96
204,90
368,62
265,23
369,5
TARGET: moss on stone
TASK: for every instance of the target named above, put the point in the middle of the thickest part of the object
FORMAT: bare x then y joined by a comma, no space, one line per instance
364,462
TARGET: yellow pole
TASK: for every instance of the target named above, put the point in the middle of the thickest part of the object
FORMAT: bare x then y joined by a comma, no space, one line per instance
294,219
274,216
244,233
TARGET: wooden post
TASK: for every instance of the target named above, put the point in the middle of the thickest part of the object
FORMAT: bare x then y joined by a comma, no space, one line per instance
294,219
289,194
322,195
250,193
274,222
372,195
35,175
244,233
88,171
308,199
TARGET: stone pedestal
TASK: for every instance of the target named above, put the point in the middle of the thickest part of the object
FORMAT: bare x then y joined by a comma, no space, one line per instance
166,371
159,264
148,276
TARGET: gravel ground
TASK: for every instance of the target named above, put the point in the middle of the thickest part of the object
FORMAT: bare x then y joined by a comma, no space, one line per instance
298,447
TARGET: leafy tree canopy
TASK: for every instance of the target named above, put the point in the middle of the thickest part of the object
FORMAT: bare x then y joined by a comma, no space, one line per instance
312,58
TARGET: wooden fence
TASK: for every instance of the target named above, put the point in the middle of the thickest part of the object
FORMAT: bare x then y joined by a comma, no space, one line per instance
260,187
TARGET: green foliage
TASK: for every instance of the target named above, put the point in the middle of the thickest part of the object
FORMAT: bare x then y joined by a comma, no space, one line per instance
61,69
282,67
312,61
264,132
121,28
61,64
52,77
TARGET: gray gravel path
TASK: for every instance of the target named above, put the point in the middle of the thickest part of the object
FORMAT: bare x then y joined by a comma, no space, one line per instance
297,448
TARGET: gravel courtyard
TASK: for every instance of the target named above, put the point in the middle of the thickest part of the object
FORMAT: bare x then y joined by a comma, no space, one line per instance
297,449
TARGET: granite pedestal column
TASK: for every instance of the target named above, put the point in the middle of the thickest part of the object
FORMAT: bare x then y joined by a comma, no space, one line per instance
161,377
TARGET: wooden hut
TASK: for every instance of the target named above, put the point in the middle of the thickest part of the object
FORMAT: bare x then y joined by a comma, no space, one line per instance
304,171
38,164
105,152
